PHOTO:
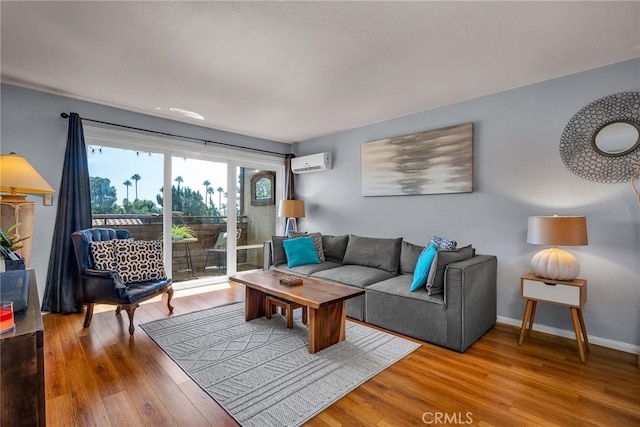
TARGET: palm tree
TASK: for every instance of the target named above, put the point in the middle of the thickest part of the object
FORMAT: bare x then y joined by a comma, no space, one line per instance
210,192
136,178
178,203
127,184
220,190
206,188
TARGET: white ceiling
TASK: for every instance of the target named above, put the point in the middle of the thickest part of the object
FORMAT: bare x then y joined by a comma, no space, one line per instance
291,71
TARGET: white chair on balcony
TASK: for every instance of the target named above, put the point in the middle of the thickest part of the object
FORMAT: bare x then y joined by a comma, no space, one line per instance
220,249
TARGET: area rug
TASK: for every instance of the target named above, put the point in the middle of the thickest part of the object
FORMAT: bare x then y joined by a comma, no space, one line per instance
261,373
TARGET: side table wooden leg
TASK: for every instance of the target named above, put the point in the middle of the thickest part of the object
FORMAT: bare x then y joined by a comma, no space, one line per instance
532,316
525,318
584,330
576,328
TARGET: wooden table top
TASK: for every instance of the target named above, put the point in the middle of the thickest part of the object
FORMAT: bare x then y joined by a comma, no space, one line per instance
313,293
28,321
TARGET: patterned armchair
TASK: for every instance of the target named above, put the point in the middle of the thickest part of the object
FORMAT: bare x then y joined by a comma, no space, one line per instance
117,270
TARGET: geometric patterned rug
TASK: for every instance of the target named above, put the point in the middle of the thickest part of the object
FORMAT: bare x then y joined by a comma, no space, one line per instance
261,373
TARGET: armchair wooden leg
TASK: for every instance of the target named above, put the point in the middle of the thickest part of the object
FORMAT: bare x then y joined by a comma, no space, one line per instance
118,309
131,309
89,315
169,296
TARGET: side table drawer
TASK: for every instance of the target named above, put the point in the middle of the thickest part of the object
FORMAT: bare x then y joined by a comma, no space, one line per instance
558,293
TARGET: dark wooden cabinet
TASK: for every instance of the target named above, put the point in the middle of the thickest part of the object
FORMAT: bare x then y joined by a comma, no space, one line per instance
22,366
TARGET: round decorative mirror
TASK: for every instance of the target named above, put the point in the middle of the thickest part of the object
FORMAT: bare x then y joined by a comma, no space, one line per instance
601,142
617,138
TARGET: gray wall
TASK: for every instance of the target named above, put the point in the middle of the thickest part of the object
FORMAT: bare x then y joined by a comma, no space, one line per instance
518,173
32,127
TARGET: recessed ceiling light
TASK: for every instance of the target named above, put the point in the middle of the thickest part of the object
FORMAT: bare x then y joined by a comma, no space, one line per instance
187,113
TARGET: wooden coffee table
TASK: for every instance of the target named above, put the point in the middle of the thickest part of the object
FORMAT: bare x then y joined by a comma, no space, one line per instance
324,300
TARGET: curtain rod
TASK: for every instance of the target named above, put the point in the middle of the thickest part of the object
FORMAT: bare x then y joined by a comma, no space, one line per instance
206,141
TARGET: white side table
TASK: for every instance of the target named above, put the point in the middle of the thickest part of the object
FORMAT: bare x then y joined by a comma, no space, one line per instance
570,293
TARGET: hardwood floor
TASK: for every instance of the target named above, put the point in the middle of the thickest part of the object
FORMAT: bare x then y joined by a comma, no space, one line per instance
101,377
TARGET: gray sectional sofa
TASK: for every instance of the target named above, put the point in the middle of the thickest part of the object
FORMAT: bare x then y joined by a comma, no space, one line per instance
458,308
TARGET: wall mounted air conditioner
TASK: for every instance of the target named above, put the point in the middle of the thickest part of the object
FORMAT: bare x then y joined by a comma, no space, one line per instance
311,163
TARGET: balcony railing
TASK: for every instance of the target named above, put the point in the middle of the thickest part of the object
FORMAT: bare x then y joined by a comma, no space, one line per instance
206,228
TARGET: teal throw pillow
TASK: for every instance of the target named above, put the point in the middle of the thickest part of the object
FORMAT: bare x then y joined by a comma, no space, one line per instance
300,251
422,267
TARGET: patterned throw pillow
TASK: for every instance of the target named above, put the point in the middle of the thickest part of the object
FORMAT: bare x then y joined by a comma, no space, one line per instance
103,254
139,260
443,244
317,241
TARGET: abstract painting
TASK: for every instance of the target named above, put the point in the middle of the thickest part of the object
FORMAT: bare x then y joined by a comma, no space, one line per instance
431,162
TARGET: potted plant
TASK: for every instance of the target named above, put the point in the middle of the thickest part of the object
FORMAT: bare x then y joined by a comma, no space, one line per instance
179,232
9,244
9,240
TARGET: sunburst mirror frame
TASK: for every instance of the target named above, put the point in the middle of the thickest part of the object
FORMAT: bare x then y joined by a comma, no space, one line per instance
578,149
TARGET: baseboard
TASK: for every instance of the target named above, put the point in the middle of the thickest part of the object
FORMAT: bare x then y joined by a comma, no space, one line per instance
604,342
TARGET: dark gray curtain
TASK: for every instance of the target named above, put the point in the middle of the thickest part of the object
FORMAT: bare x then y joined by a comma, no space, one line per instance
289,182
63,292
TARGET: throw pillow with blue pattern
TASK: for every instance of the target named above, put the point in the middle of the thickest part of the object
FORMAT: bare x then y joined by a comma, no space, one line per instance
443,244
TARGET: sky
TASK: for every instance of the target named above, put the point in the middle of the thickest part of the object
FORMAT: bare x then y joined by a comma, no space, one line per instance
119,165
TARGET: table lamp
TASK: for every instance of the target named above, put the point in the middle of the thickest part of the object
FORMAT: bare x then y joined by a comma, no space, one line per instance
554,263
291,209
18,178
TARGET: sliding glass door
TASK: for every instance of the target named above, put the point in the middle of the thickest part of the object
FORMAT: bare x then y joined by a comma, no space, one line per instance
198,218
213,220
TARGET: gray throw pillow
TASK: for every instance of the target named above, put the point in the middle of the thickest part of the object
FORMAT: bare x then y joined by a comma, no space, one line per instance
409,254
334,247
278,254
435,283
373,252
